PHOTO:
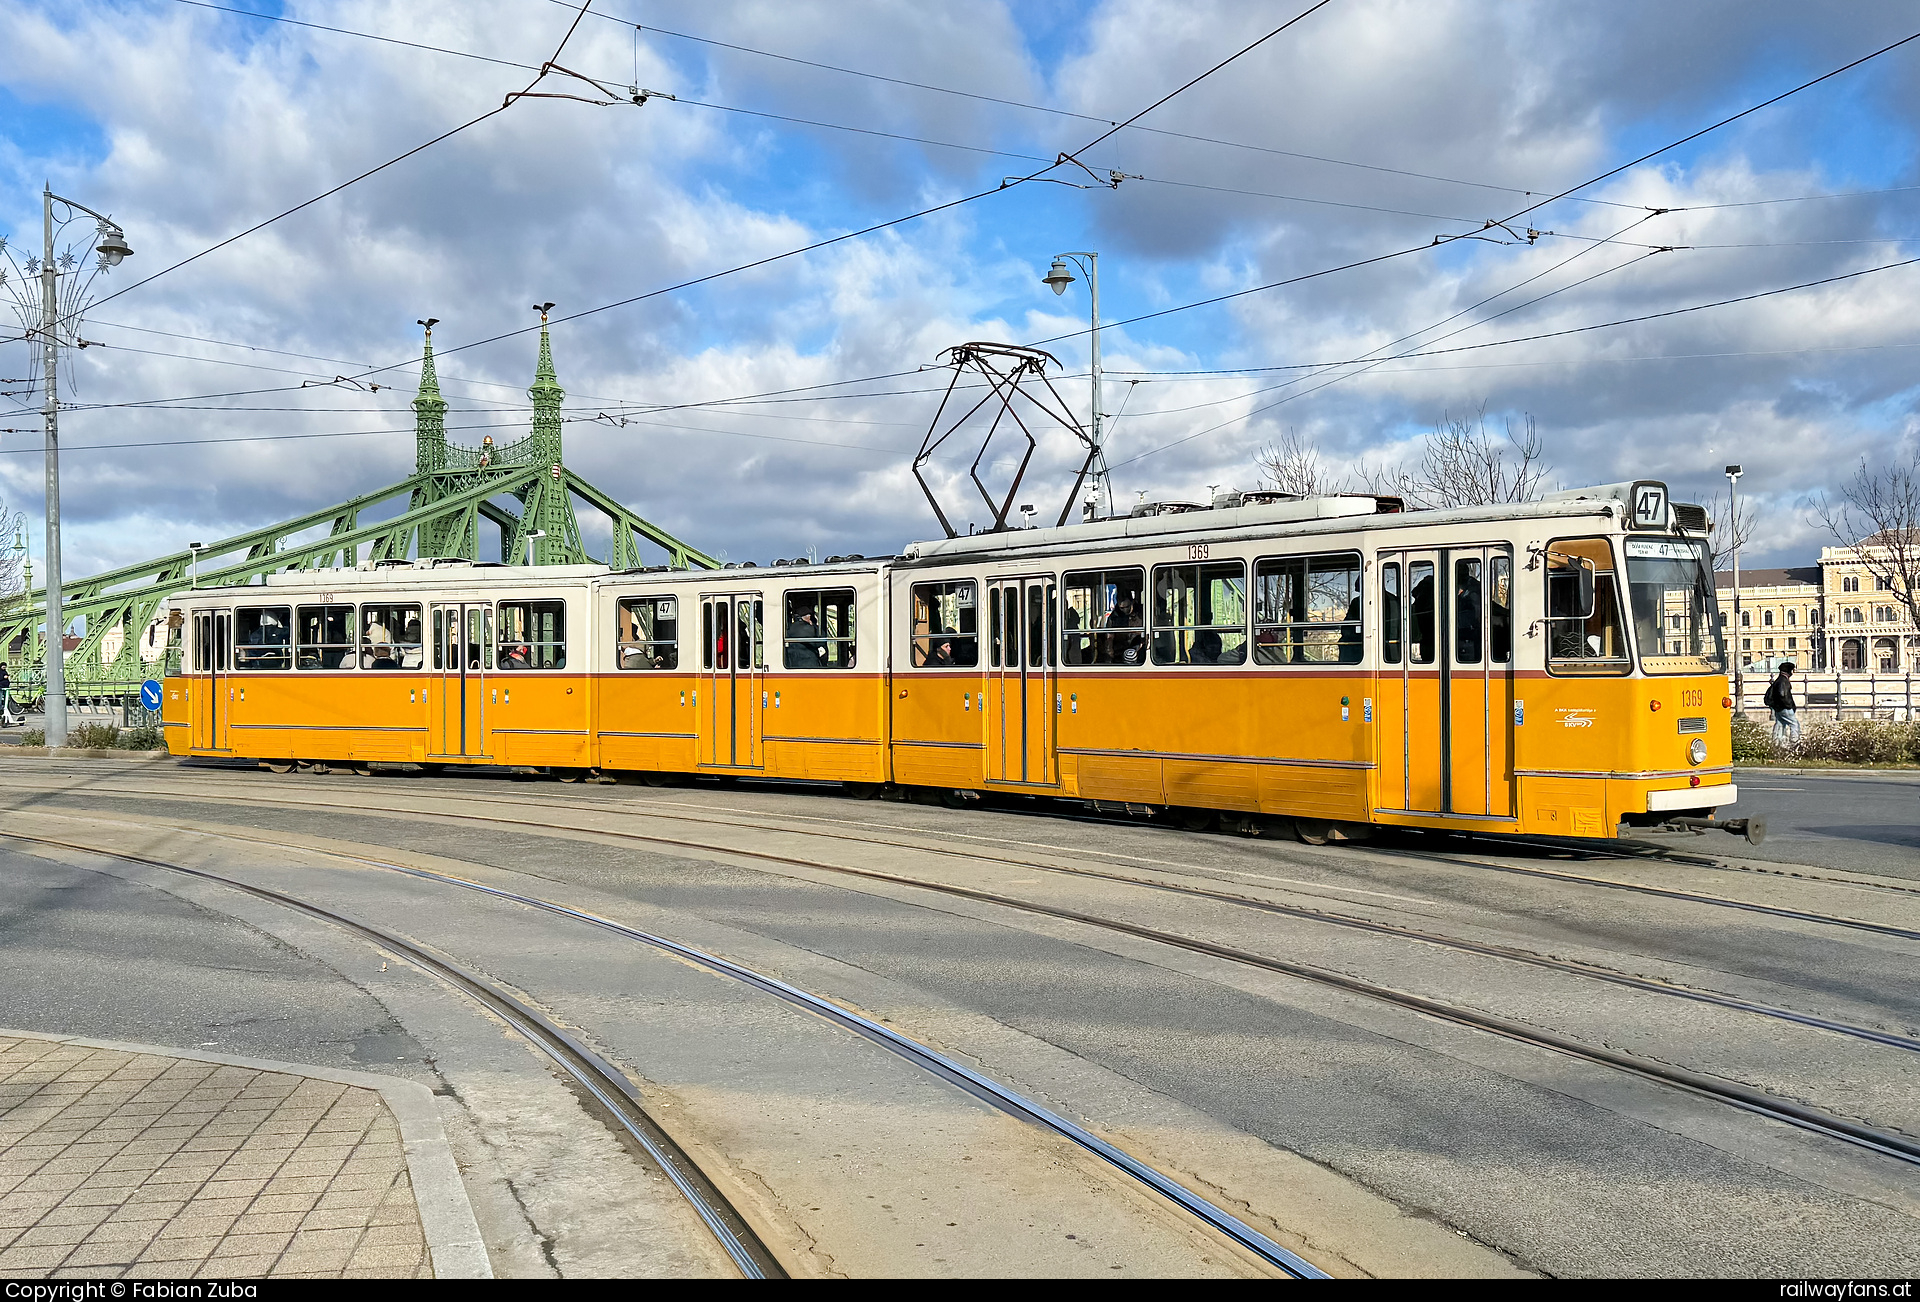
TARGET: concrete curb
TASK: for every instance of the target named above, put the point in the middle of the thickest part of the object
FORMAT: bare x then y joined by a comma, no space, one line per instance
446,1214
74,752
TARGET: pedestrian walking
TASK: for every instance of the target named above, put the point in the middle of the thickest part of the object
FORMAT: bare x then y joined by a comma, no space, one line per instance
1779,699
7,717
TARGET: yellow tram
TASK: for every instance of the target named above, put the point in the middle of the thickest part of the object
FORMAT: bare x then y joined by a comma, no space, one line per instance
1553,667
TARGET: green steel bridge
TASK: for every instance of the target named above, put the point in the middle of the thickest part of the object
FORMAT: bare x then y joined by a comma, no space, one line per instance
524,489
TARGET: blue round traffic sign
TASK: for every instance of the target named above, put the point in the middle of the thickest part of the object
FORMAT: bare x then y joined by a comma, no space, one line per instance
150,694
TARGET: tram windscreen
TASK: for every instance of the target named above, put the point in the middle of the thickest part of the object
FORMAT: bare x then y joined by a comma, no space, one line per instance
1676,619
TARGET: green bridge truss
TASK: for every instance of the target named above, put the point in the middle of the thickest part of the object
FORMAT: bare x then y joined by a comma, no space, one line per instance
523,489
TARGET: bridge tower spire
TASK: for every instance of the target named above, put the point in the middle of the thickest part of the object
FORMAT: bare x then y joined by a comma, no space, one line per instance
429,413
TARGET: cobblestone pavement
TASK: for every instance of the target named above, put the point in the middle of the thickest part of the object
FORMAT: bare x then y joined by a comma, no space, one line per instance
123,1164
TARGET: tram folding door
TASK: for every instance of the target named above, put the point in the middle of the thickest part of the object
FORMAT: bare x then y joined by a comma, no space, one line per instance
462,652
210,711
732,658
1021,681
1446,681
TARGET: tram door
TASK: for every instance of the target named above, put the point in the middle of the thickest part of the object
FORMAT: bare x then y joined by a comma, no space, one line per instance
733,657
210,710
1447,673
1479,623
462,652
1021,679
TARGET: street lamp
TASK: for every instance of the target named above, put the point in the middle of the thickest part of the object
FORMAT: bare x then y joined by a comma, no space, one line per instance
1733,525
193,561
1059,276
61,305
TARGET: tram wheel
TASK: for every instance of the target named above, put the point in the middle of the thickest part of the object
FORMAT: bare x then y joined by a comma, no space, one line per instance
277,766
1312,831
363,769
1194,820
570,775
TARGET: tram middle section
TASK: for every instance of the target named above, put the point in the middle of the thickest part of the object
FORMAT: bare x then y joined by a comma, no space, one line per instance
1544,668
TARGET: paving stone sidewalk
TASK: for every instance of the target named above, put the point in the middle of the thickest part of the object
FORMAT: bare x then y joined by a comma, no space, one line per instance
123,1164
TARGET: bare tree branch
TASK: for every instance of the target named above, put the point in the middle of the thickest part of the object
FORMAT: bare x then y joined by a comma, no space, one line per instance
1295,468
1878,516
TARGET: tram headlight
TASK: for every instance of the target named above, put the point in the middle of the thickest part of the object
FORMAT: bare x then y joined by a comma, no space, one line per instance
1697,750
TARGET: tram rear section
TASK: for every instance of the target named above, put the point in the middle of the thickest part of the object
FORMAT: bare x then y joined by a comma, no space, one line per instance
1548,668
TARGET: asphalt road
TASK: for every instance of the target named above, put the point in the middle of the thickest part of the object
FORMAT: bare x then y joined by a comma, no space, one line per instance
1866,824
1561,1167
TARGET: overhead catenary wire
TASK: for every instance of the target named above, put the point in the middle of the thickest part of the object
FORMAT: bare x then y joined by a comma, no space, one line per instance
354,180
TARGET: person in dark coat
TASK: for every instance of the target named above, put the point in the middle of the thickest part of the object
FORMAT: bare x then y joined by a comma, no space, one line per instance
1779,699
6,701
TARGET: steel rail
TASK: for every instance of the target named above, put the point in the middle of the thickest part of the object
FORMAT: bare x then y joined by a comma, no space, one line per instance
736,1237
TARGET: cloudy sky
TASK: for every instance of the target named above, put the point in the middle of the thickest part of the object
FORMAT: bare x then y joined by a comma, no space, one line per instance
1369,128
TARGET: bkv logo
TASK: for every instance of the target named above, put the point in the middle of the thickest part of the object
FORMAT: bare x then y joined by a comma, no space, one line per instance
1572,718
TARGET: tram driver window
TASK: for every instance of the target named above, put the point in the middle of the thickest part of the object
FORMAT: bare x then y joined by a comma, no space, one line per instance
649,633
390,636
946,628
820,629
1583,639
1200,614
262,637
533,635
1098,601
325,637
1306,610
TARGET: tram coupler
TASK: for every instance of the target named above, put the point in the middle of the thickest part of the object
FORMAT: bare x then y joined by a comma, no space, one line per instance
1752,830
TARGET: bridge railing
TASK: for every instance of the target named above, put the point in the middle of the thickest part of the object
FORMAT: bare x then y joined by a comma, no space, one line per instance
1837,695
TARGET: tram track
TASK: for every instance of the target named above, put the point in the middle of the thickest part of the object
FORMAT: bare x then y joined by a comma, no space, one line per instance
1730,1093
1907,1042
609,1086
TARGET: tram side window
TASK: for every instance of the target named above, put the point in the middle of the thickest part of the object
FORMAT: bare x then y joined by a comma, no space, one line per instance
390,637
1098,600
325,637
1420,622
1390,613
1306,610
946,626
820,629
533,635
202,642
261,637
1582,641
1200,614
1467,586
649,633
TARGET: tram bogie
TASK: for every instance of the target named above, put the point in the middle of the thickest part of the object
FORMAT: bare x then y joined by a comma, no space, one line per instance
1549,668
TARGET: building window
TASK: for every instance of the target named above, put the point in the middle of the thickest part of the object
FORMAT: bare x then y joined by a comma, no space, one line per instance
1793,644
1881,583
1746,644
1850,583
1883,614
1769,645
1766,619
1723,619
1813,617
1793,617
1746,619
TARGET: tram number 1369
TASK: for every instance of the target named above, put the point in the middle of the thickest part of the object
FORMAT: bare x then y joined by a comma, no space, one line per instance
1198,551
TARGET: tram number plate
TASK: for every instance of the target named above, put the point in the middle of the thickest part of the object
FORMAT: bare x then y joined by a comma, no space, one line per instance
1694,698
1199,551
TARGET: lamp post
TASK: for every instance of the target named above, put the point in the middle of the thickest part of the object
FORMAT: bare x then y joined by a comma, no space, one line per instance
112,248
1059,277
1733,523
